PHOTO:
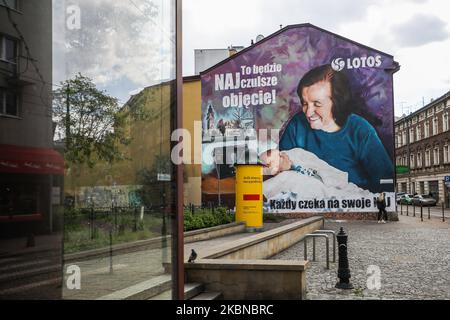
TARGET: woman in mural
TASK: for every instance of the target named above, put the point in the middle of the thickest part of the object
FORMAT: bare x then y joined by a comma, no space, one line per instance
330,128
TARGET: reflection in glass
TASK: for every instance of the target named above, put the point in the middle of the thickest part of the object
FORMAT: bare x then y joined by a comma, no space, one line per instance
31,171
112,114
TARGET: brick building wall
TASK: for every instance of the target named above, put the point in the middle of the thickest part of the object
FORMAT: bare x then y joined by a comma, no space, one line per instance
423,144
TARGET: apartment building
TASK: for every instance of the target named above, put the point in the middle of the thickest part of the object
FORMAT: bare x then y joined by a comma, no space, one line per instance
422,141
30,169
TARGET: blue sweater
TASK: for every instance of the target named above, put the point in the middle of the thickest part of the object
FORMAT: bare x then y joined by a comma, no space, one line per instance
355,149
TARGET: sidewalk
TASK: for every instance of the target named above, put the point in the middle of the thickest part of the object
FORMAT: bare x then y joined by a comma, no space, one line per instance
135,267
209,244
412,259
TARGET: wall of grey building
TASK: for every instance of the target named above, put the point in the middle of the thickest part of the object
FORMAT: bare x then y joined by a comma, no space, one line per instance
206,58
33,125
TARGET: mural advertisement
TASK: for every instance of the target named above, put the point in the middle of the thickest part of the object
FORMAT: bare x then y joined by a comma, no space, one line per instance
315,109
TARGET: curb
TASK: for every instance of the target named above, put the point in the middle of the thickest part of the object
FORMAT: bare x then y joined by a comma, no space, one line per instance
154,243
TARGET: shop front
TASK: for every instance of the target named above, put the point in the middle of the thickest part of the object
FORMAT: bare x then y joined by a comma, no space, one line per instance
30,190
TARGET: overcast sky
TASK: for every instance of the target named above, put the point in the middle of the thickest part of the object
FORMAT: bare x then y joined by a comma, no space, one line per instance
415,32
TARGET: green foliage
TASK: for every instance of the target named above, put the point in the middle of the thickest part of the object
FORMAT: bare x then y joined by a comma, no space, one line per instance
94,127
206,218
80,240
77,228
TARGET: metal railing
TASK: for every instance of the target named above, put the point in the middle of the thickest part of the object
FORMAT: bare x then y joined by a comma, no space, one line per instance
421,211
331,232
90,223
317,235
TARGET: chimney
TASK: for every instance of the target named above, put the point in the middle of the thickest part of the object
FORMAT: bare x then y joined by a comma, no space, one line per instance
232,51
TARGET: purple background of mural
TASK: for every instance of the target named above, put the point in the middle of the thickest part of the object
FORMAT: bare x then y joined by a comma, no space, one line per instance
300,49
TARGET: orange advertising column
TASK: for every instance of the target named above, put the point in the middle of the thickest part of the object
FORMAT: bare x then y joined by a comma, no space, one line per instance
249,196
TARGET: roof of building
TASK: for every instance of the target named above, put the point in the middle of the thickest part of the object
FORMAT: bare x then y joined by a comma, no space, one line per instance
221,49
191,78
303,25
431,104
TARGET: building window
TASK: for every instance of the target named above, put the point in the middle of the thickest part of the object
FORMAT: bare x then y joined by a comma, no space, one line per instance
404,187
427,129
8,49
418,133
421,187
411,135
427,158
446,153
435,126
445,121
403,138
419,159
411,161
8,103
436,156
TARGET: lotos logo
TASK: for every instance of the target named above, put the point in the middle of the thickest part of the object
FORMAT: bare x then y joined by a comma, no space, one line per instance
340,64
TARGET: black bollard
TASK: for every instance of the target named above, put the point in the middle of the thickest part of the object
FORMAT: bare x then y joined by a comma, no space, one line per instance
343,269
401,208
414,210
407,209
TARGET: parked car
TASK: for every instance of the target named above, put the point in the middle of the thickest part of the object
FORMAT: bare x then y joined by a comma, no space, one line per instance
424,200
398,195
405,199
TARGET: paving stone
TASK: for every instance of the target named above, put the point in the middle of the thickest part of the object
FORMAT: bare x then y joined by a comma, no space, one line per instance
413,258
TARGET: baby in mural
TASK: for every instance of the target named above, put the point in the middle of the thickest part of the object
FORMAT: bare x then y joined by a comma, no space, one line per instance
305,175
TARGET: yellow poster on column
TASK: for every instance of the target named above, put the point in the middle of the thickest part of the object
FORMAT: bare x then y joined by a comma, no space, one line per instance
249,201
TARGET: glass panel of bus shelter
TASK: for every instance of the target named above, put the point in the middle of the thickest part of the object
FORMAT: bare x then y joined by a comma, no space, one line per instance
114,90
31,170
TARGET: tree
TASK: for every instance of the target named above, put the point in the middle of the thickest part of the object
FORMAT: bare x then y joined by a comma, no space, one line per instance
92,122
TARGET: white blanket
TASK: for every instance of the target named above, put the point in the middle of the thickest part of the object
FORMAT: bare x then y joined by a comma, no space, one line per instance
332,182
